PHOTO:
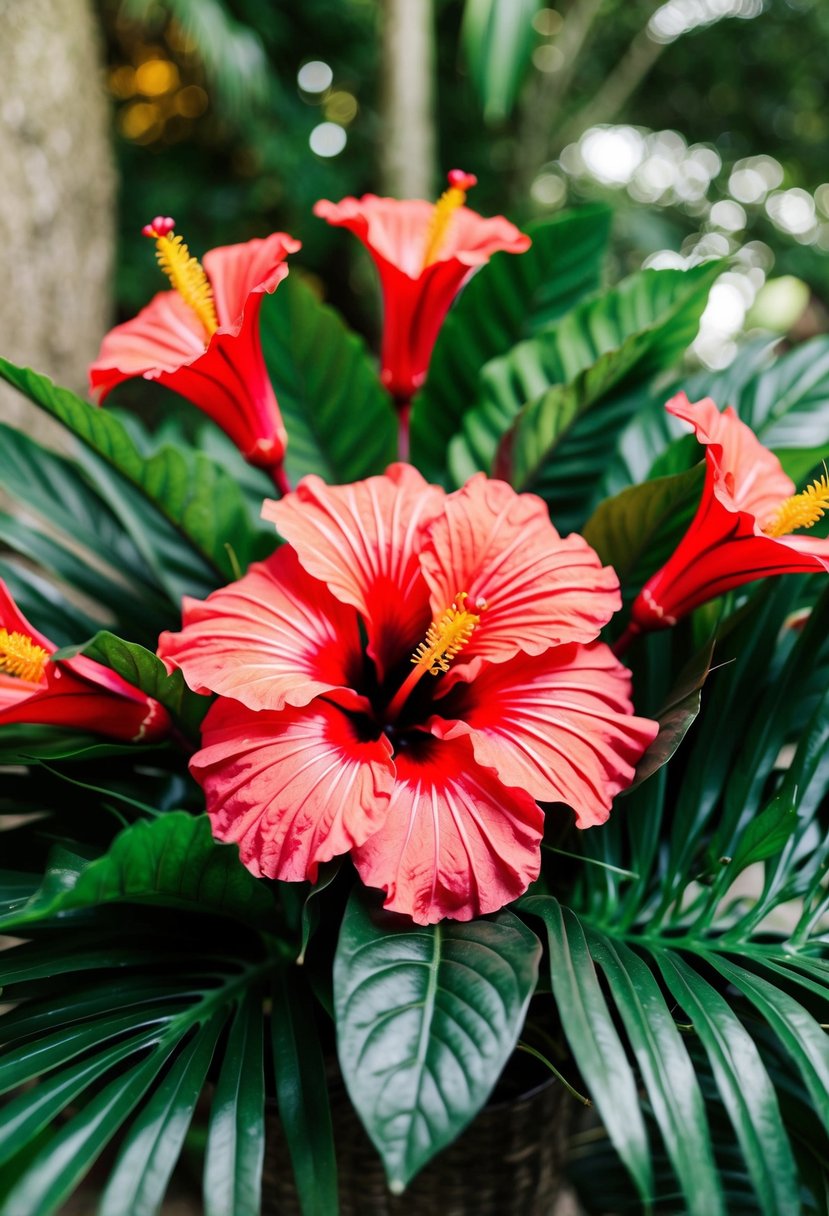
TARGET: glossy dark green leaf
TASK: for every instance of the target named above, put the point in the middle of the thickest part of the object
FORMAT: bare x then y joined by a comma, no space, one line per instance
497,38
71,531
677,715
172,860
340,420
744,1084
149,1151
507,300
302,1094
667,1071
427,1017
236,1132
765,834
532,397
800,1036
636,531
80,1141
786,403
143,668
178,512
593,1038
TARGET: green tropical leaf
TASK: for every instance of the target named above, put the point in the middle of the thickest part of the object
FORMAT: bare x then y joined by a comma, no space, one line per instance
340,420
637,530
507,300
302,1094
667,1071
236,1132
743,1082
676,716
497,38
533,396
114,1015
71,531
172,860
596,1046
145,670
148,1153
426,1020
178,512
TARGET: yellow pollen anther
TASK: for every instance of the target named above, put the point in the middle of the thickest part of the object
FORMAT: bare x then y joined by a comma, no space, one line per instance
445,208
446,636
801,510
21,656
186,274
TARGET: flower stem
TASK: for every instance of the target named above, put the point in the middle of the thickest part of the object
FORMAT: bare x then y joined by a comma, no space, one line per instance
621,644
280,479
404,411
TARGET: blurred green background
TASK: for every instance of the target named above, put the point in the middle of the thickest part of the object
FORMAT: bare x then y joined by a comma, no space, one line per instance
703,121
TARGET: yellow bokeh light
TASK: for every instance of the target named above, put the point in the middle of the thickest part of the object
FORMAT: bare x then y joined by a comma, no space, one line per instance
190,101
122,81
341,107
155,77
141,122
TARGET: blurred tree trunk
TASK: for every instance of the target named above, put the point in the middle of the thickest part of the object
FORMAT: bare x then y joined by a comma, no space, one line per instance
407,149
57,217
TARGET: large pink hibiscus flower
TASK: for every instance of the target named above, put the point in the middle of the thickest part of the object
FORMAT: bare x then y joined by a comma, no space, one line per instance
424,253
404,680
742,528
202,339
76,693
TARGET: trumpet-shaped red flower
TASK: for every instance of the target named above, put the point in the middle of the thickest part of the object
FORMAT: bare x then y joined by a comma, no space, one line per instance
424,253
402,681
77,693
742,528
202,339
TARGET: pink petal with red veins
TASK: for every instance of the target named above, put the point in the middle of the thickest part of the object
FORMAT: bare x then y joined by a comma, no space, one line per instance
294,788
560,726
362,541
235,271
275,637
455,841
540,590
746,475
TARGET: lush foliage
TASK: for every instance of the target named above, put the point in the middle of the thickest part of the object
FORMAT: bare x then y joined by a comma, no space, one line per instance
148,966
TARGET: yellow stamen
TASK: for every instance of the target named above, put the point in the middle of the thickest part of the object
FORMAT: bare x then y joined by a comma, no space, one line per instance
445,208
186,273
21,656
445,637
801,510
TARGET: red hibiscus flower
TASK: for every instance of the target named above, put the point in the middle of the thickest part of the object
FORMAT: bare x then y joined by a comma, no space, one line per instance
202,339
742,529
76,693
424,252
402,681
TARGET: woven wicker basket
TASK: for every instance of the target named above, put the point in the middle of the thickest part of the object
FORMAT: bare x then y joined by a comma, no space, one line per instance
506,1163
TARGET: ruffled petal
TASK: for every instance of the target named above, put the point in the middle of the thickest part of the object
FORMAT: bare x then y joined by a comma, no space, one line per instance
362,540
236,271
560,726
275,637
455,841
746,475
294,788
500,548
